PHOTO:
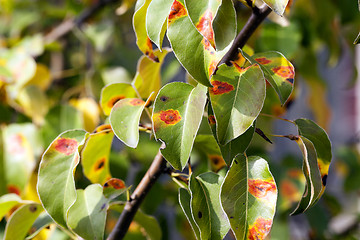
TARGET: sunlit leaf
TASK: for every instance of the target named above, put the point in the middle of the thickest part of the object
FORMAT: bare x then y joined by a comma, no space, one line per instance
278,71
87,215
237,98
206,207
21,221
177,114
90,112
95,155
156,17
313,189
192,50
184,200
278,6
42,77
43,221
112,93
148,77
32,45
125,118
115,75
142,39
7,202
113,188
248,196
57,168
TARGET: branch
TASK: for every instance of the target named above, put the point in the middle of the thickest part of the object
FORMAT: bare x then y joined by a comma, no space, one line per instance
66,26
157,167
257,16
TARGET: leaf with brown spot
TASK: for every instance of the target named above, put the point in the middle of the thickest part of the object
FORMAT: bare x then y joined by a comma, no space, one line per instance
248,196
113,188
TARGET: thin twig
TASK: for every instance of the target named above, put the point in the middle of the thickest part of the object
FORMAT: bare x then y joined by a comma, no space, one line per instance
280,118
156,169
257,16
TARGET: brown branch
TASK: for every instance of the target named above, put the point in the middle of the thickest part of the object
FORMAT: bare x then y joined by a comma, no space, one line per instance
257,16
66,26
157,167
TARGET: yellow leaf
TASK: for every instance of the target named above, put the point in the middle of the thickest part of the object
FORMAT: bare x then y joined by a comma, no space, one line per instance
90,111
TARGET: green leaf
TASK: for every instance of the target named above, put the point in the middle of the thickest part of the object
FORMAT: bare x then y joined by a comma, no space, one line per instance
149,223
278,71
156,17
21,221
139,23
95,154
237,99
278,6
203,15
314,187
199,57
125,118
112,93
209,147
7,202
113,188
206,207
248,196
177,114
184,200
43,221
148,77
87,215
19,158
57,168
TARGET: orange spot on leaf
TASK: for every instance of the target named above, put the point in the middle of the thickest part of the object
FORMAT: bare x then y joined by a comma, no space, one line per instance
217,162
115,183
284,71
289,190
205,26
136,102
150,52
263,189
170,116
211,119
13,189
66,146
105,127
260,229
212,67
177,11
99,164
220,88
114,100
263,60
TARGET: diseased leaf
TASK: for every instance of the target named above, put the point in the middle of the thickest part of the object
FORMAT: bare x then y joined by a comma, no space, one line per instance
125,118
192,50
206,207
156,20
87,215
7,202
278,6
113,188
236,98
313,188
112,93
148,77
90,112
208,146
248,196
184,200
278,71
177,114
142,39
95,155
57,168
21,221
43,221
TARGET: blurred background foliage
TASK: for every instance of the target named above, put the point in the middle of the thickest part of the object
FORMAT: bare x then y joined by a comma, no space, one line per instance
51,83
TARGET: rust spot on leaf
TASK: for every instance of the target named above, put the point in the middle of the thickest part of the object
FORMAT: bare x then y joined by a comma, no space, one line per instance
289,190
260,229
115,183
164,98
205,26
32,208
212,67
263,189
170,116
150,52
114,100
13,189
106,128
136,102
99,164
284,71
199,214
263,60
217,162
324,179
211,120
220,88
66,146
177,11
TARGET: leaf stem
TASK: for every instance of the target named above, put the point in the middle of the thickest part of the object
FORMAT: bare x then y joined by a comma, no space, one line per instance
156,169
280,118
257,16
